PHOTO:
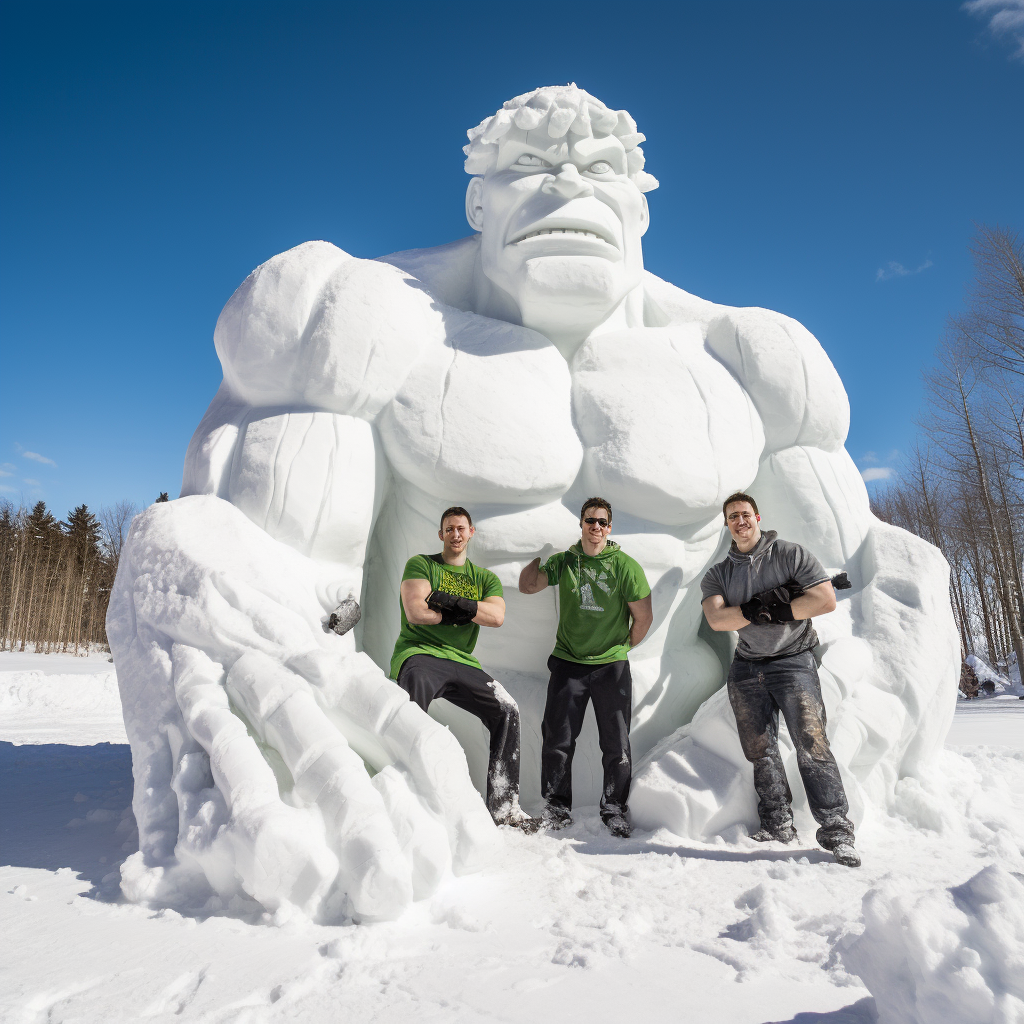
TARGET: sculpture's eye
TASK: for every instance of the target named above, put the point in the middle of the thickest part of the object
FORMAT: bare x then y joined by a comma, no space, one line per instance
530,160
600,167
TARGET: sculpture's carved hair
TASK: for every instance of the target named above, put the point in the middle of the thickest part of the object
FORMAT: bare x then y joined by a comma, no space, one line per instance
565,109
455,510
596,503
739,496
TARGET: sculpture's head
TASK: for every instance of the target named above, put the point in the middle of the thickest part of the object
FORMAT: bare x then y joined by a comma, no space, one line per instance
558,198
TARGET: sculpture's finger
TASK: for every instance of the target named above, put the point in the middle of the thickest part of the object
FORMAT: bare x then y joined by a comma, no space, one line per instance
277,854
421,835
373,871
426,752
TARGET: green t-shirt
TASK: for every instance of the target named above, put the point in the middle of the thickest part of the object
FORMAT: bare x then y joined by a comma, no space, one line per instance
453,642
593,601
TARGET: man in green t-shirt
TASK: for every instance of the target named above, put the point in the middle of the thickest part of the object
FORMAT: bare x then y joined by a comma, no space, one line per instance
604,604
445,599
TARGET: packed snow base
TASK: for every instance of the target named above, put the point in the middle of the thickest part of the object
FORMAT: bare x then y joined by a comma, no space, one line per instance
578,926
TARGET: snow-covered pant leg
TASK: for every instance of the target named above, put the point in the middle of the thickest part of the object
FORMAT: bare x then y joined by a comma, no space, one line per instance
426,678
791,685
570,687
757,722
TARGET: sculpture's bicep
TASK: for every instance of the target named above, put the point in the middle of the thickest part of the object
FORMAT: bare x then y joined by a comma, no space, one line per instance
317,328
788,375
312,480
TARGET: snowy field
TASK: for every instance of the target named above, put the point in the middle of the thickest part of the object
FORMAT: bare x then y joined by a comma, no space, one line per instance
575,928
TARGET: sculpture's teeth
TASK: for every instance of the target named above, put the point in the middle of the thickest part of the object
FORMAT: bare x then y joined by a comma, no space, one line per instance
561,231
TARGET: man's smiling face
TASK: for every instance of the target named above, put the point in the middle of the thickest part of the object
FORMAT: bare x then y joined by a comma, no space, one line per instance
560,216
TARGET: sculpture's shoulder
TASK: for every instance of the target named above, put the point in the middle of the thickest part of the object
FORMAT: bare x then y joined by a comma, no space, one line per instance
782,366
314,327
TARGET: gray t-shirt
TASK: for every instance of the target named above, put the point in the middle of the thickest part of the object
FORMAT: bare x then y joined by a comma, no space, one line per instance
769,564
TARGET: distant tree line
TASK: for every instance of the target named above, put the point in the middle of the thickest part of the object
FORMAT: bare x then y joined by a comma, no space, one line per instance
962,487
56,577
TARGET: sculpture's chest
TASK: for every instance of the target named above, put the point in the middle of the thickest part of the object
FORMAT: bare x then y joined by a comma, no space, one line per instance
667,431
485,418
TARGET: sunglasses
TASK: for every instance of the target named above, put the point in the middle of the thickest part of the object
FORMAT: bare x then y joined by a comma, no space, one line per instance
590,520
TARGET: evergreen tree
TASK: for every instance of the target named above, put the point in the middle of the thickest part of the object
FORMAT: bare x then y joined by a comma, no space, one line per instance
163,496
83,531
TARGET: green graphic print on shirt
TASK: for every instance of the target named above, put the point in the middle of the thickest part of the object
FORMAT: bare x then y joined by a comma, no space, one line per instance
594,593
453,642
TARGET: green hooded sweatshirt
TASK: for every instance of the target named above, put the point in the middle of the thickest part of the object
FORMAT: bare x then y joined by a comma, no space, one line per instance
593,600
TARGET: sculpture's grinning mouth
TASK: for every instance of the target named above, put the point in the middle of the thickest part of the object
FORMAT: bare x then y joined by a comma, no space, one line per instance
563,232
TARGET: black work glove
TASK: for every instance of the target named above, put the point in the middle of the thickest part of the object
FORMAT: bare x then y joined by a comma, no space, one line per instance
756,611
841,581
455,611
769,608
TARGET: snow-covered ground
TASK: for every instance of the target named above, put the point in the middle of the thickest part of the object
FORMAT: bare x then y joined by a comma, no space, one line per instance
574,928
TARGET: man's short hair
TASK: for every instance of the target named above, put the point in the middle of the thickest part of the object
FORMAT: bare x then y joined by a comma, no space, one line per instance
740,496
455,510
560,109
596,503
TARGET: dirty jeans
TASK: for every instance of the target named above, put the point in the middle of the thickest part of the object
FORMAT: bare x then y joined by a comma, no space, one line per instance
425,678
570,688
758,690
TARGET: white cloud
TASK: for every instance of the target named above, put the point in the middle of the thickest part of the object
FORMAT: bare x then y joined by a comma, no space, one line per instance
36,457
8,490
32,483
893,269
869,457
4,471
875,473
1005,18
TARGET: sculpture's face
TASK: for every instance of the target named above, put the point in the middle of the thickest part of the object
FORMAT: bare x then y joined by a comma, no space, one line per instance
560,218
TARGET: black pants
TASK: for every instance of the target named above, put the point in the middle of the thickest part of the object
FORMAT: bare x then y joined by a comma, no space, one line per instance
571,686
758,690
424,678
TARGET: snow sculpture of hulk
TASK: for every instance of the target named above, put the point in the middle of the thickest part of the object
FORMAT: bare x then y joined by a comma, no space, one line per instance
514,372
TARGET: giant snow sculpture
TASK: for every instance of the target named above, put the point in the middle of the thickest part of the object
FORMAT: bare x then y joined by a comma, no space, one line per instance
515,372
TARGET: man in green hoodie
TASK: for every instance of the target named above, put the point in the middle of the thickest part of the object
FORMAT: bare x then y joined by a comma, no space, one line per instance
604,605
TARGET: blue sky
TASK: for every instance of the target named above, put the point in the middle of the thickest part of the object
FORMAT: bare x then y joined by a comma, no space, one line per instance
827,160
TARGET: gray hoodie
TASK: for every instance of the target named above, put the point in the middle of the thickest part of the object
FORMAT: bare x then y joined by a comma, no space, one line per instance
770,563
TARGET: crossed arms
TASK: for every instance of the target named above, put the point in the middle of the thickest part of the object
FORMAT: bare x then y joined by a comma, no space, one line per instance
817,600
490,610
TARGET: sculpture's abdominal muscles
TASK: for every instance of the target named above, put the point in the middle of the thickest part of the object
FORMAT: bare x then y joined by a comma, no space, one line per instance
667,431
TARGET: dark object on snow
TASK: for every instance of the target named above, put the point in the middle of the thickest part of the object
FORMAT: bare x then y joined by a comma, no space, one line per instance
841,581
455,611
344,617
618,825
988,686
785,833
968,681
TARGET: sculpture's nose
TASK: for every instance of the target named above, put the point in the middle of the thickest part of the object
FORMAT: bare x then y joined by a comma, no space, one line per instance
567,183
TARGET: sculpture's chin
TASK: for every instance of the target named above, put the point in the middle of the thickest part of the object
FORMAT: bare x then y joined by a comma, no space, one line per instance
574,279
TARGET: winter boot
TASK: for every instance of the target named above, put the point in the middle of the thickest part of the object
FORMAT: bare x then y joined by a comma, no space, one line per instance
783,834
555,817
846,855
618,826
518,818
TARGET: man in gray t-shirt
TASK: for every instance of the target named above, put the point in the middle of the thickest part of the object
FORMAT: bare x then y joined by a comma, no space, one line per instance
768,590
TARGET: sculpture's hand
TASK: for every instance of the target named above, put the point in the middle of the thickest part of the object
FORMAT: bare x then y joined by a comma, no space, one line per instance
252,730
